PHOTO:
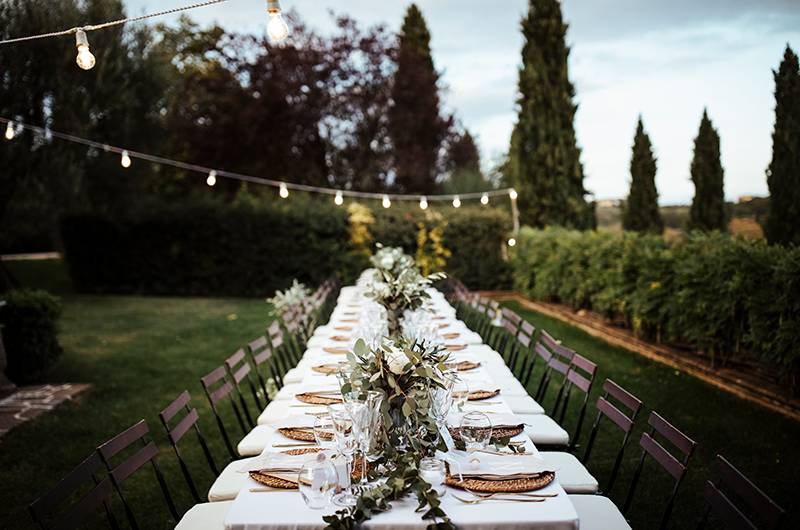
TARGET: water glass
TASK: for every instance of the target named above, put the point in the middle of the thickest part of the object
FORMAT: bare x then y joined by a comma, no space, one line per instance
346,446
476,430
324,432
433,471
317,480
460,394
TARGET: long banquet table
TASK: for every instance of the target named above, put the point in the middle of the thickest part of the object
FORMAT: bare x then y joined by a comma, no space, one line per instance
286,510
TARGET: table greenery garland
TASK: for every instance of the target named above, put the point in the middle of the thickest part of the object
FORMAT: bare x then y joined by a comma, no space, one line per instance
404,373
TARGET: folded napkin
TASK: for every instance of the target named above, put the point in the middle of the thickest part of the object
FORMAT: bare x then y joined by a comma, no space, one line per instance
272,460
487,466
297,421
499,421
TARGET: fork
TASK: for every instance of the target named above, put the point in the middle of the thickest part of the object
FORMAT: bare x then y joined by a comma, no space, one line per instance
478,501
520,494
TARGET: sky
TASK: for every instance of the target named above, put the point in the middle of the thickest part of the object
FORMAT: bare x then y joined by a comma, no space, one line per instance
665,60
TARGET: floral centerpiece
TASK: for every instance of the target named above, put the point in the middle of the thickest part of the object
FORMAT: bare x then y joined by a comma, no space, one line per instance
291,297
391,259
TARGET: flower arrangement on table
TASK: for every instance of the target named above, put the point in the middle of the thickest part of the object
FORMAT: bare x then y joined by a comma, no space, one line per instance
295,295
391,259
405,373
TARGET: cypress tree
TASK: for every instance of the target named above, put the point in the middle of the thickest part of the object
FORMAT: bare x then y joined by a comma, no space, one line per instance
415,124
783,175
544,158
708,207
641,211
464,164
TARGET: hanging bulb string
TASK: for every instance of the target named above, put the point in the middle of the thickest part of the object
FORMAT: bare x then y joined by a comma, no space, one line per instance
159,160
111,23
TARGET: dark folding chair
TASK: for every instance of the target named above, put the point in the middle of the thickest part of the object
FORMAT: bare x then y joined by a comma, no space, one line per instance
176,433
524,354
218,388
580,378
119,473
675,467
260,352
732,485
506,337
621,408
239,372
46,510
558,362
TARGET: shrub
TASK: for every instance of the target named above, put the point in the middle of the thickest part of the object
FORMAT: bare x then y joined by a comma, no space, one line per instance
30,334
730,298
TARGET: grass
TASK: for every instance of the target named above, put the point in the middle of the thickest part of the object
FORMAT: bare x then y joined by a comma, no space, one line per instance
762,444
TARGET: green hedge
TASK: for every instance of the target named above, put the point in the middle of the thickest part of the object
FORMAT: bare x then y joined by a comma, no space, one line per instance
29,321
249,248
730,298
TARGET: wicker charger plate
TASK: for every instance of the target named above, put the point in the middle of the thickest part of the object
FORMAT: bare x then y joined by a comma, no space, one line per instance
480,395
314,399
449,336
340,338
343,328
303,434
464,366
339,351
518,485
326,369
497,433
279,483
455,347
302,451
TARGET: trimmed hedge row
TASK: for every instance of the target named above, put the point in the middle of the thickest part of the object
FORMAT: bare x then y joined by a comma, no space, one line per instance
250,249
30,332
730,298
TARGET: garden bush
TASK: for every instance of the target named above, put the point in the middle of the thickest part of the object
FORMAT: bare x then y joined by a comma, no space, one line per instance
251,248
30,339
730,298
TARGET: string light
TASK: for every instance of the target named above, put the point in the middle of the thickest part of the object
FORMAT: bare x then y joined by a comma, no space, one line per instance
423,202
339,200
512,242
212,178
484,199
387,203
456,202
10,131
284,191
513,194
125,160
277,28
85,59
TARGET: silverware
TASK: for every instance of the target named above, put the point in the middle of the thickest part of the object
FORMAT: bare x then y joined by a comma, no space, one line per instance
520,494
503,499
307,444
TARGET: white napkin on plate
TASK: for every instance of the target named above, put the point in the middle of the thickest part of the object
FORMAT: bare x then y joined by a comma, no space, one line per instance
475,464
497,420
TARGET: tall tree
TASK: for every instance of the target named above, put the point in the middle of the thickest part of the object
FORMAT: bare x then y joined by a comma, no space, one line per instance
416,126
464,165
708,207
783,175
641,211
544,158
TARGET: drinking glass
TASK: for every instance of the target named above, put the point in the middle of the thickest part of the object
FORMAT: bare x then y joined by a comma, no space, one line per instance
360,414
346,446
324,432
317,480
433,471
476,430
460,393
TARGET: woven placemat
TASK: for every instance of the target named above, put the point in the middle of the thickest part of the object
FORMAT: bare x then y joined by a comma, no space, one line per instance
518,485
450,336
442,326
338,351
302,451
313,399
303,434
326,369
463,366
343,328
455,347
479,395
340,338
271,481
497,433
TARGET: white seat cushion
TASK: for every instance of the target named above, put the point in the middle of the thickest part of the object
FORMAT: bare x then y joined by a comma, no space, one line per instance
206,516
524,405
256,440
596,512
543,430
570,473
229,482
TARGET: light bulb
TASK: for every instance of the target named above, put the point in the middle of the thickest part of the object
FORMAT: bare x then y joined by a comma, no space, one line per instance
512,242
456,202
284,191
338,199
277,28
485,199
125,160
10,131
423,203
85,59
212,178
513,194
386,202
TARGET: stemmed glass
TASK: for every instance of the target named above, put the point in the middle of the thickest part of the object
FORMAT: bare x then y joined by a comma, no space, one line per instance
441,398
346,446
360,414
460,393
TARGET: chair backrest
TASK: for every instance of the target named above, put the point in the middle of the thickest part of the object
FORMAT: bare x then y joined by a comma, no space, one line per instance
219,388
260,351
239,372
579,378
558,359
187,421
731,486
675,467
46,510
621,408
137,435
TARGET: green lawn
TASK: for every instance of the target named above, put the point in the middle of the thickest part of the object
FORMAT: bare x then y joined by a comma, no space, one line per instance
761,443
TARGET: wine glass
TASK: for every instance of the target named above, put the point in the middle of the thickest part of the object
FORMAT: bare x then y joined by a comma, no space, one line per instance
317,480
476,430
346,446
324,432
460,393
360,414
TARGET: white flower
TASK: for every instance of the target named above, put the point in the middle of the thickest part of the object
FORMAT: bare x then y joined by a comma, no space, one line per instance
387,262
395,358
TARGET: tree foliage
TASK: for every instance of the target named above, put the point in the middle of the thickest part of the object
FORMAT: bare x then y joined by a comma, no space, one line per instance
464,166
544,158
783,175
641,213
708,206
